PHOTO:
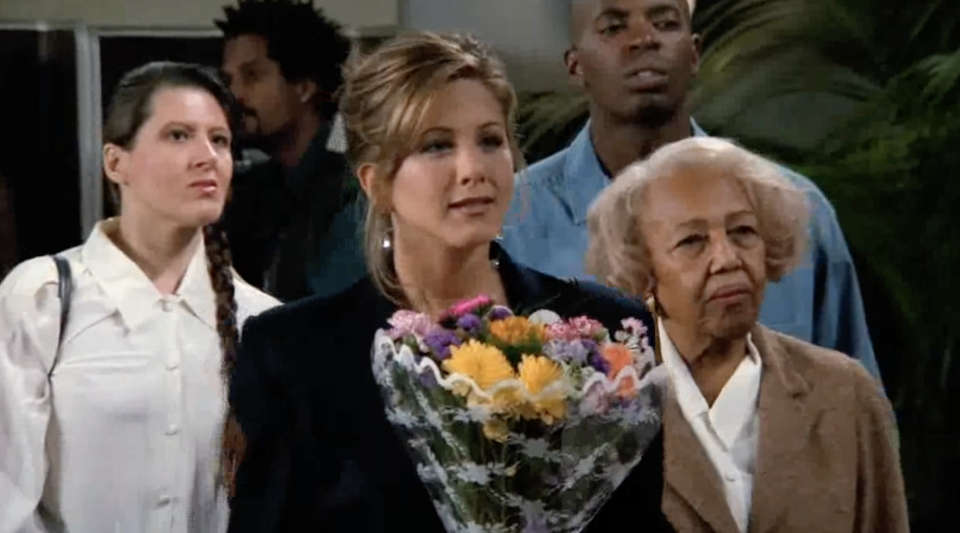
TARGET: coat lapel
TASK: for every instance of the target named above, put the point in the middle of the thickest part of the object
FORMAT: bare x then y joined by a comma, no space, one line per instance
786,419
688,471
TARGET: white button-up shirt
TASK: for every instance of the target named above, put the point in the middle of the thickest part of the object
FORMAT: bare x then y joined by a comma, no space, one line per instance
125,435
728,430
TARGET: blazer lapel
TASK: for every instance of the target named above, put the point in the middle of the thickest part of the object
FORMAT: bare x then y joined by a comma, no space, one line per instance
688,471
785,423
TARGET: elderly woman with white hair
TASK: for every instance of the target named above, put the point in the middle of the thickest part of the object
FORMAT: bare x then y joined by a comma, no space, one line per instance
762,432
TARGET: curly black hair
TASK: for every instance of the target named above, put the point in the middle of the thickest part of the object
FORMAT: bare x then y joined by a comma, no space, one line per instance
304,43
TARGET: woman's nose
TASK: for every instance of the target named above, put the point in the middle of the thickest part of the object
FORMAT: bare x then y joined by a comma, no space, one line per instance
723,255
205,153
470,166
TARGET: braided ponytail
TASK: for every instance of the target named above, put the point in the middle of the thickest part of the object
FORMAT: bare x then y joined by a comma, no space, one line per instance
221,277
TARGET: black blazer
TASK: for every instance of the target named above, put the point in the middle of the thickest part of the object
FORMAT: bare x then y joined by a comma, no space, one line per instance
321,455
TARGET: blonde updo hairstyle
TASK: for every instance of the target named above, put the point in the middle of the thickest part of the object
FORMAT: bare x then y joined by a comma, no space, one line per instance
618,254
384,100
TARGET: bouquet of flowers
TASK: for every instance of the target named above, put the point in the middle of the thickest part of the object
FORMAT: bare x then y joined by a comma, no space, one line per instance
518,423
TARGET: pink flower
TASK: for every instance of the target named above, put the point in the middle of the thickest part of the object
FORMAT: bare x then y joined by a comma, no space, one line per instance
634,327
562,331
405,322
469,306
587,327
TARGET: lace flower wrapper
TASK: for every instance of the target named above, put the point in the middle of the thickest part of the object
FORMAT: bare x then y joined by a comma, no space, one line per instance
532,451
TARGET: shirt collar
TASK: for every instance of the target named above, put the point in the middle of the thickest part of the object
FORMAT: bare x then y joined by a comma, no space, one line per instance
691,400
584,177
697,130
134,295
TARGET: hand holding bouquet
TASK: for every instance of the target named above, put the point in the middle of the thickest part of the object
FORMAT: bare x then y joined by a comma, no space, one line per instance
518,423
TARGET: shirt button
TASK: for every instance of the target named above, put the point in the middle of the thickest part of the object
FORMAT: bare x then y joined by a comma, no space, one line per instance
172,365
730,477
166,305
164,501
173,429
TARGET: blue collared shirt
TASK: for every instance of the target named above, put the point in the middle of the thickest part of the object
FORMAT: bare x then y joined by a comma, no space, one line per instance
818,302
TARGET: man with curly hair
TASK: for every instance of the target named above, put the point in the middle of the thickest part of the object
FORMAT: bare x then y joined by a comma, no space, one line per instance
293,220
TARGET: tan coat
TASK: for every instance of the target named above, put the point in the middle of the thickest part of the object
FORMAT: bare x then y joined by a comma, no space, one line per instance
827,459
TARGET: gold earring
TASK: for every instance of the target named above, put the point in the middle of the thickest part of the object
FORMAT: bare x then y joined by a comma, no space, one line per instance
651,302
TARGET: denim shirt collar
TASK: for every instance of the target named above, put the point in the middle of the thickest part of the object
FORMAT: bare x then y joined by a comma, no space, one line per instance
583,176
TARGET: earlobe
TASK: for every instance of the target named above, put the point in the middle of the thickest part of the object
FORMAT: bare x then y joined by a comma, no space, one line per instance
695,67
306,90
574,73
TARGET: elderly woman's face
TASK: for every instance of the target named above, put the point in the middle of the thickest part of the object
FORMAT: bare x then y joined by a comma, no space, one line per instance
706,252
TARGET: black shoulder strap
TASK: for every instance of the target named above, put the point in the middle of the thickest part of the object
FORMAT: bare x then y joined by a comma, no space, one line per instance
64,290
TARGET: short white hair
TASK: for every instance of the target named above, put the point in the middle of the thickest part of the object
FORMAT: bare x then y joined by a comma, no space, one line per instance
618,254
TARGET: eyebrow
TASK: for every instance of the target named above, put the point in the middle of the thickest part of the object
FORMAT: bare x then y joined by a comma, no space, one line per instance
614,12
741,213
193,126
696,223
663,7
611,13
447,129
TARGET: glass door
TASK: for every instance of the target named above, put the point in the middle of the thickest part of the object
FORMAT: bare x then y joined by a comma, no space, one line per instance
39,159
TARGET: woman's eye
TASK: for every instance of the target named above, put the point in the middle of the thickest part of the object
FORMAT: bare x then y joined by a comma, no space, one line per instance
691,240
493,141
221,140
178,135
437,146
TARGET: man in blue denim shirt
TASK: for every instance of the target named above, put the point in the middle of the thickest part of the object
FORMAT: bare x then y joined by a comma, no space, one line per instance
635,60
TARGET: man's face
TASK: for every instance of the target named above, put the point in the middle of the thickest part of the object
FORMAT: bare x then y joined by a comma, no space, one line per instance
269,101
634,58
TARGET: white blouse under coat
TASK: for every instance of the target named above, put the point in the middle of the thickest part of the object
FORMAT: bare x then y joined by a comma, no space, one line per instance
125,435
729,430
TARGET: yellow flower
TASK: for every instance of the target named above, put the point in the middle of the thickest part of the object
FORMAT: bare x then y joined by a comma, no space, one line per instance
484,364
496,430
537,373
517,330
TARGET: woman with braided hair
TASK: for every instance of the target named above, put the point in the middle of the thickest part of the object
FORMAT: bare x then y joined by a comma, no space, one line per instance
112,414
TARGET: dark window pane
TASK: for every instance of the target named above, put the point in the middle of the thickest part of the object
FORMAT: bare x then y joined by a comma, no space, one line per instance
39,156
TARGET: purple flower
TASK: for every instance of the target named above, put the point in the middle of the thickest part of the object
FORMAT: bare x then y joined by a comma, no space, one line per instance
571,352
469,323
599,364
440,340
428,379
426,376
595,357
499,312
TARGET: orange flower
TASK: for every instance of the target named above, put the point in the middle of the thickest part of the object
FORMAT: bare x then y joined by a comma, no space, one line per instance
618,357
